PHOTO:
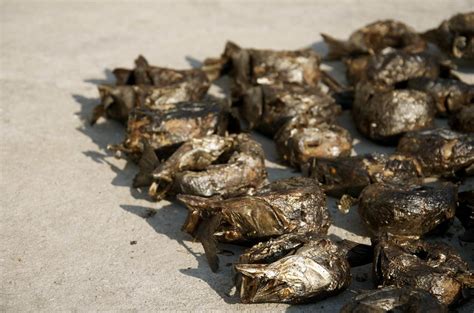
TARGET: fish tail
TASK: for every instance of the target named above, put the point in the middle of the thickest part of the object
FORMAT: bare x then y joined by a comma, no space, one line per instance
337,48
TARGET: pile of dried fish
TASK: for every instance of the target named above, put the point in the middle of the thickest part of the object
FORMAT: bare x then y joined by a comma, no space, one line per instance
196,147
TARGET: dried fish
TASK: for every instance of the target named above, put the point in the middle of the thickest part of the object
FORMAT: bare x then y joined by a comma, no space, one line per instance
118,101
450,95
350,175
384,114
251,67
390,67
455,36
313,271
463,120
283,206
431,266
407,211
167,127
395,300
375,37
301,139
211,166
145,74
268,107
440,152
465,214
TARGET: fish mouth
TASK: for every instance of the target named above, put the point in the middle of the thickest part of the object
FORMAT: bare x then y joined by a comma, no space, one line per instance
257,287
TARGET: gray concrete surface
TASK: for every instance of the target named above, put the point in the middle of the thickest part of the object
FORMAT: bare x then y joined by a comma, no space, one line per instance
67,213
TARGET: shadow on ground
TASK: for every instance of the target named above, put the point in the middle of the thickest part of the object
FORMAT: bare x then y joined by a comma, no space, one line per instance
167,221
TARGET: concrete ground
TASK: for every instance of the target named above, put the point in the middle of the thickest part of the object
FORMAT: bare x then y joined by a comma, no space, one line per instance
67,213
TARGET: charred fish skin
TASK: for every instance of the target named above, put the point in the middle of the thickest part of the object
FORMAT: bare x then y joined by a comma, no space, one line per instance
118,101
450,95
393,299
281,207
407,211
211,166
350,175
316,270
440,152
430,266
166,128
267,107
383,114
375,37
301,139
455,36
463,120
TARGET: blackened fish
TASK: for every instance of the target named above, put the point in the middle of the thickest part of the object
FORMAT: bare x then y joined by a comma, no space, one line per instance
441,152
250,67
167,127
375,37
118,101
283,206
390,67
407,210
211,166
268,107
350,175
301,139
455,36
431,266
384,114
145,74
314,270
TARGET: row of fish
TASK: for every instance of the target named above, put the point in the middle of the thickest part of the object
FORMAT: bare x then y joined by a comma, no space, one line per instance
194,146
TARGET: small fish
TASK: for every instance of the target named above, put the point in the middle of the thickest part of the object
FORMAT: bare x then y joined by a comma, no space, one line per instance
440,151
391,299
267,107
375,37
390,67
211,166
450,95
455,36
281,207
434,267
252,67
118,101
384,114
301,139
165,128
407,210
463,120
145,74
316,268
350,175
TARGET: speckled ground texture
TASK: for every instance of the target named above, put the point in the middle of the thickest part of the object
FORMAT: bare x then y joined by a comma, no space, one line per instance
67,213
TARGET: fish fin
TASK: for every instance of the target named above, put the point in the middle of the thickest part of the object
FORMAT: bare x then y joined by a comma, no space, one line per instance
141,61
205,235
146,165
251,270
337,48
